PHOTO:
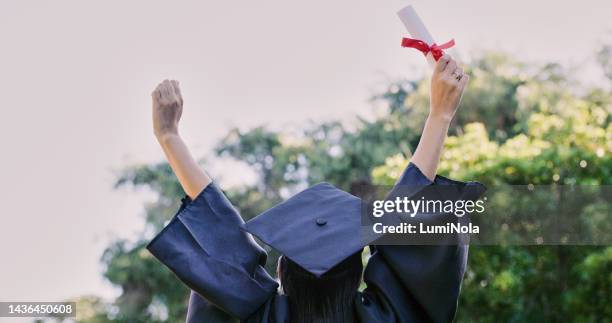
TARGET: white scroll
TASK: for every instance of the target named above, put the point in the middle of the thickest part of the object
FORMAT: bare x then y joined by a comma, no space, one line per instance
416,28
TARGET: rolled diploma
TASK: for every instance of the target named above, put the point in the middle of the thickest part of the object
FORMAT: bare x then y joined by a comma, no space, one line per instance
416,28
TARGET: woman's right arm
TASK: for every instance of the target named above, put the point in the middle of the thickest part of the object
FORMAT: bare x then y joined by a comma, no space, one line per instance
447,85
422,282
167,110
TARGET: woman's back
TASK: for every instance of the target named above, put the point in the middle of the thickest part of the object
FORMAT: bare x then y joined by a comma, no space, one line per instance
326,299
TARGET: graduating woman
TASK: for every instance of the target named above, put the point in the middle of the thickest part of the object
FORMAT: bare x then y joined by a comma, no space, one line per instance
210,248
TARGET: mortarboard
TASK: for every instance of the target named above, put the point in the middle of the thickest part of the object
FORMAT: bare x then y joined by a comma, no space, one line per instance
317,228
323,225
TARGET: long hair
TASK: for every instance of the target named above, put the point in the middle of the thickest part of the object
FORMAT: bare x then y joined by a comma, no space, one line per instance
326,299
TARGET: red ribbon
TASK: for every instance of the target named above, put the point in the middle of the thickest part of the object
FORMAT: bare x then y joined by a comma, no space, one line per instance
436,50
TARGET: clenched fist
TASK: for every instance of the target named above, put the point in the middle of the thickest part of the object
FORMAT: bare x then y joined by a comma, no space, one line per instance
167,108
447,85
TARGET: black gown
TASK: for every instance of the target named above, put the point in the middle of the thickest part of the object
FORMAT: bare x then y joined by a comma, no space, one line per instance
206,247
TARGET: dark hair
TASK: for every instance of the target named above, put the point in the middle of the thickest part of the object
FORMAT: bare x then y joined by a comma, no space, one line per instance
326,299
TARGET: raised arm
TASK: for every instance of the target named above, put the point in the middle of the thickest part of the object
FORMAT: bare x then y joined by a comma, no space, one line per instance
447,85
204,244
421,283
167,110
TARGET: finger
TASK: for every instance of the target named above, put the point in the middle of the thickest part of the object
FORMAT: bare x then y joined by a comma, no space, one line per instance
442,62
464,81
450,67
175,86
177,91
165,88
458,74
155,94
170,87
158,90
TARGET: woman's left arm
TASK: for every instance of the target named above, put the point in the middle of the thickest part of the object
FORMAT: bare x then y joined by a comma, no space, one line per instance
204,244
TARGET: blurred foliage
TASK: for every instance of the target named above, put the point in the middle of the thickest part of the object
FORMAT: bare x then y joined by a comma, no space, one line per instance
519,124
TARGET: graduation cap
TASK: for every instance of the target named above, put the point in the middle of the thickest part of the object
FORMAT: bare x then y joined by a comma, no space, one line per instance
323,225
317,228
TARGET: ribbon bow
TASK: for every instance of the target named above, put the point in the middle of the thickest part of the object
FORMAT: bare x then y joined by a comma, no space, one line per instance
436,50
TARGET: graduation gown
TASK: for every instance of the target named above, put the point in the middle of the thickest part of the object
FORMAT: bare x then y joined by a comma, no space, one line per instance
205,246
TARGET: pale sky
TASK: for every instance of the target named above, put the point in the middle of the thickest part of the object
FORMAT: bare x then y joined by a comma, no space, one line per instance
75,79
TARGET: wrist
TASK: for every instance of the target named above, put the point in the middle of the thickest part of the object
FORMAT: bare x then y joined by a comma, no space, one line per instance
440,118
166,137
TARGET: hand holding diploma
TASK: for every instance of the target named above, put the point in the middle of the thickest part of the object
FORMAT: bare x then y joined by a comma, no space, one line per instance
448,80
447,85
